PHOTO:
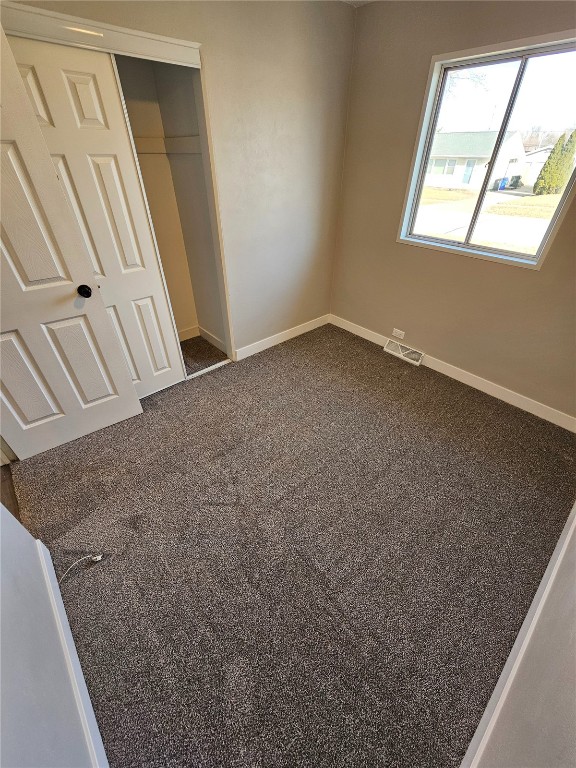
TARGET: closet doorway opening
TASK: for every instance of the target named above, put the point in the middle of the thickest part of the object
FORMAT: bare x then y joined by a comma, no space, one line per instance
165,113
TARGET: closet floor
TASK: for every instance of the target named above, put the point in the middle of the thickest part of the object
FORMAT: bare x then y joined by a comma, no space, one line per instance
200,354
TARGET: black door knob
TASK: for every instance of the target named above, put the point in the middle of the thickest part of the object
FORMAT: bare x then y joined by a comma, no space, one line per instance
85,291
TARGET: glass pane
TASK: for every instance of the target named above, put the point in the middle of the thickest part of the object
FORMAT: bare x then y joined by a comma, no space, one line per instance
471,112
535,160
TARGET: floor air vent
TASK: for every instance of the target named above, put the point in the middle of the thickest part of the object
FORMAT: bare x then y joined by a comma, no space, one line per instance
406,353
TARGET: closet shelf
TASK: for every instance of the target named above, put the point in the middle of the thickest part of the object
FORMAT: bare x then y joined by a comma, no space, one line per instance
150,146
176,145
183,145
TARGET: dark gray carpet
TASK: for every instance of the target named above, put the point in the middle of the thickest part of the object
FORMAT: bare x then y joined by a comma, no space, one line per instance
199,354
317,557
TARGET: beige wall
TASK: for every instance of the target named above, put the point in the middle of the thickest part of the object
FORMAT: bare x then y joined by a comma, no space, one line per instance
513,326
138,85
163,202
276,75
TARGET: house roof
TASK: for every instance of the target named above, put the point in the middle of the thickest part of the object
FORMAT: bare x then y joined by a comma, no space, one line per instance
547,149
465,143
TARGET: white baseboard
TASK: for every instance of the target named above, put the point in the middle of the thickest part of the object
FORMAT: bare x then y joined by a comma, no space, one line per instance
559,418
358,330
188,333
214,340
207,370
278,338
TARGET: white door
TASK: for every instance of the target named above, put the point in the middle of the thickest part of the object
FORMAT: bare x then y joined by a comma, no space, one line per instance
63,372
79,108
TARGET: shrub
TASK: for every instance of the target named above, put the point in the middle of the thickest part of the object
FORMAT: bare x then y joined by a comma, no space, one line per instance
558,167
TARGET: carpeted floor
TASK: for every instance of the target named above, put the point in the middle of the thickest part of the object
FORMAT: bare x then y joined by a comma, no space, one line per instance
199,354
317,557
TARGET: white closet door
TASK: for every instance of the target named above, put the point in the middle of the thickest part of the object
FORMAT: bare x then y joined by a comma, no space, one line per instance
78,106
63,371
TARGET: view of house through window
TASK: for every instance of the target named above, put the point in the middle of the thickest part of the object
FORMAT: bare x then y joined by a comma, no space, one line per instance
501,153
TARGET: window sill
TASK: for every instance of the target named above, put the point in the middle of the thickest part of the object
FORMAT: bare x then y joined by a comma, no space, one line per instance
476,253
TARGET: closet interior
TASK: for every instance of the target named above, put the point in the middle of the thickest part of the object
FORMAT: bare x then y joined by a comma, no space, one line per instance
165,110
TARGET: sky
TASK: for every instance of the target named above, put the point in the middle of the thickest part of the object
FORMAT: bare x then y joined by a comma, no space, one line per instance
476,97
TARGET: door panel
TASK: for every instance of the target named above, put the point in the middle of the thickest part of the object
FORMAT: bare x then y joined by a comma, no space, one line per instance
78,107
24,387
27,238
81,358
85,99
35,95
63,372
151,333
63,172
111,191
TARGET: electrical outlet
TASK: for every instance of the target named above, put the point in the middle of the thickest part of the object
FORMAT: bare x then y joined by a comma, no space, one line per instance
398,333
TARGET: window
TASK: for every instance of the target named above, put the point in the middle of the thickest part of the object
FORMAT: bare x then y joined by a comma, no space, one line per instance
444,166
497,155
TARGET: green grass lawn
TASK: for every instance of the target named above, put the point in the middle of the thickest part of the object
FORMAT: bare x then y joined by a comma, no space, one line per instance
433,195
531,206
534,206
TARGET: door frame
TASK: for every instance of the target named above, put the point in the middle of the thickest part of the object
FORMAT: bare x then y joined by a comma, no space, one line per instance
76,32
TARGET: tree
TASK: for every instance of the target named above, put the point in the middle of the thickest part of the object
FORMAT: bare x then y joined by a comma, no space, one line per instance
566,165
558,167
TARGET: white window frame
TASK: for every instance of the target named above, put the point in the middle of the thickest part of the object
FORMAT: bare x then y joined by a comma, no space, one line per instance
497,52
